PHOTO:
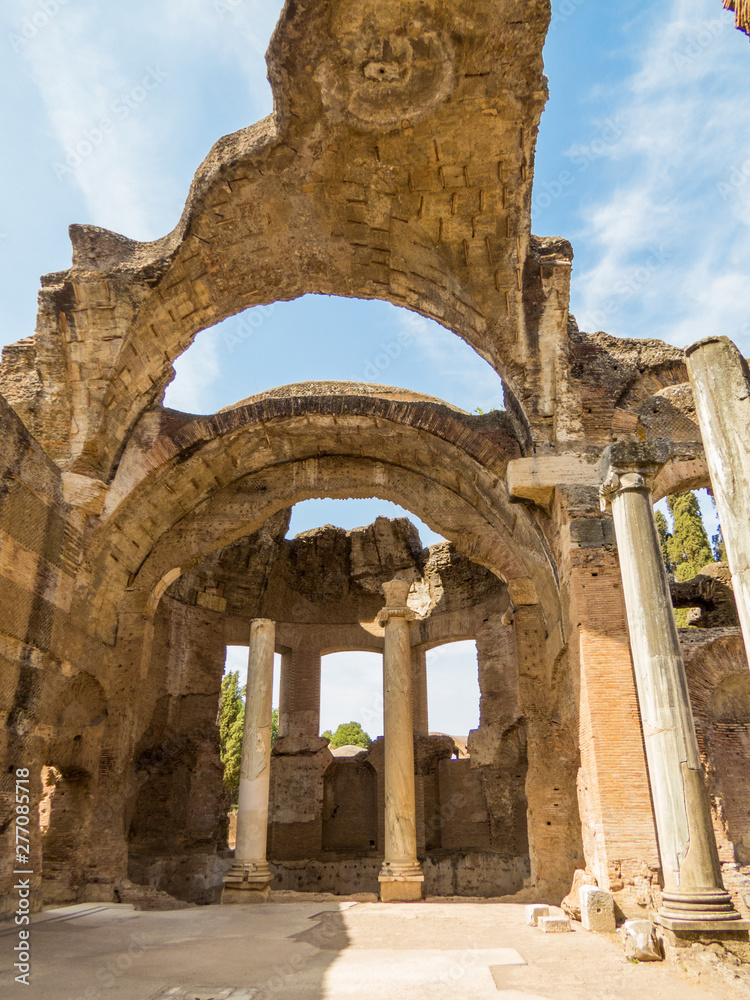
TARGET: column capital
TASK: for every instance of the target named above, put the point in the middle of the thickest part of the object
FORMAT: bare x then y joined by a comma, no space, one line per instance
631,465
622,482
386,614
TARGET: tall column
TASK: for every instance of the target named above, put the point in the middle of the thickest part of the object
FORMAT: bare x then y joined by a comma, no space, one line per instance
249,878
401,876
721,389
694,894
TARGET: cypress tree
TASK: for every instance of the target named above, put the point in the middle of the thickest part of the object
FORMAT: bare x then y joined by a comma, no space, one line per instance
688,548
231,722
664,535
231,726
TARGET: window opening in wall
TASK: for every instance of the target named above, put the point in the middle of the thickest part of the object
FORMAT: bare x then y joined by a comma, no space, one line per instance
351,690
453,689
232,713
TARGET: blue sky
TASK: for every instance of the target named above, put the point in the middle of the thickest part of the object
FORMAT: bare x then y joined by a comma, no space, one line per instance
643,163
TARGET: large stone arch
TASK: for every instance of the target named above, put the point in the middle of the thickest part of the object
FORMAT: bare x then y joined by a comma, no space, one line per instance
212,480
417,192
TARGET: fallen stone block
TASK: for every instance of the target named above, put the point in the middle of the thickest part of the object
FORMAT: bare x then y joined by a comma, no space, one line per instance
597,909
639,941
554,925
534,912
571,904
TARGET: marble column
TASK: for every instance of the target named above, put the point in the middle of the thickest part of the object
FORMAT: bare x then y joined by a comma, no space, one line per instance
721,389
694,897
401,876
249,878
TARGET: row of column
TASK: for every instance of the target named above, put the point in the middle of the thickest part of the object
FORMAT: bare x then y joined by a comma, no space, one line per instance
401,876
694,895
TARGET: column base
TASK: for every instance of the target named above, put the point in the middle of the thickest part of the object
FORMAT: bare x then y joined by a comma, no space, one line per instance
708,910
401,882
247,882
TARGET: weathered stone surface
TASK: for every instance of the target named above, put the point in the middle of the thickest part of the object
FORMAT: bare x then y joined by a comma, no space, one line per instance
597,909
136,542
534,912
571,904
639,941
554,925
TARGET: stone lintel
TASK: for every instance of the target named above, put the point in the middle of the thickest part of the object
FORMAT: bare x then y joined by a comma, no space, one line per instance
535,479
646,457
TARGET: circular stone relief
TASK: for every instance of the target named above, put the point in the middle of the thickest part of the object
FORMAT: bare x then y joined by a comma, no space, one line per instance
388,63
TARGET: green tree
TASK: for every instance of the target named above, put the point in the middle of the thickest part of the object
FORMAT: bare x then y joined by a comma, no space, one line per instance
231,722
720,549
664,535
688,548
348,734
231,726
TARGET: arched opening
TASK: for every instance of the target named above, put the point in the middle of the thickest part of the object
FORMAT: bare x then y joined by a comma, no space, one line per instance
350,806
453,689
219,555
61,806
330,338
351,690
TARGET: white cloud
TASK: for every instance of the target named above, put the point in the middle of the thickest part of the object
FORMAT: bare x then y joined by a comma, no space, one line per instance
673,234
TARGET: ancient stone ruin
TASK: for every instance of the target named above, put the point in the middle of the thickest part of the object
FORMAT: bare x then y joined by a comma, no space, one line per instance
137,542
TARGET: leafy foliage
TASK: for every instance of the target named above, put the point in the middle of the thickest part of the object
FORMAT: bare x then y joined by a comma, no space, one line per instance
348,734
688,547
231,725
664,535
231,722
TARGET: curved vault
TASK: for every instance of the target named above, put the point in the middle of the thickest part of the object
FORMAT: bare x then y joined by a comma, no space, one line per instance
404,176
194,485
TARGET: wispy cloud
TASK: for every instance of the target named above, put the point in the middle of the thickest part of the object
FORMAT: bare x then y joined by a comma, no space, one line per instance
449,356
678,195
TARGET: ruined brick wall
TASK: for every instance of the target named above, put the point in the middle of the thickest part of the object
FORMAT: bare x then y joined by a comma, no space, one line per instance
719,683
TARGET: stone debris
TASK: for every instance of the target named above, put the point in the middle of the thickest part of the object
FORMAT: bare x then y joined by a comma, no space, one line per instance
572,903
555,925
597,909
639,941
533,914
